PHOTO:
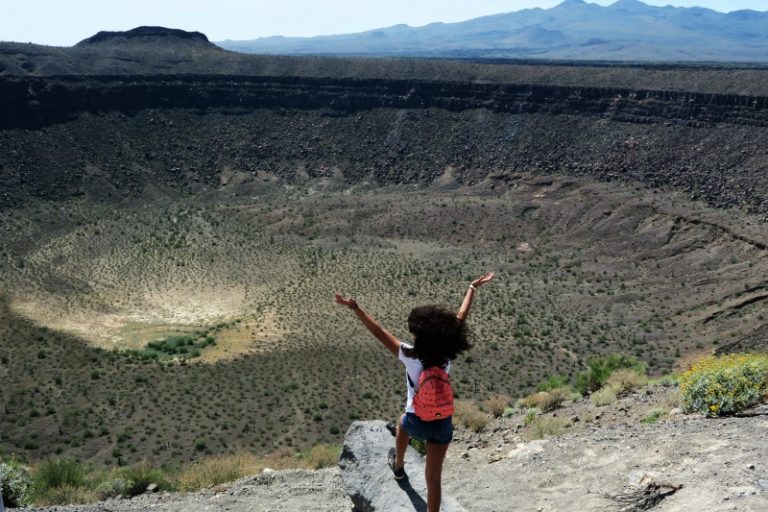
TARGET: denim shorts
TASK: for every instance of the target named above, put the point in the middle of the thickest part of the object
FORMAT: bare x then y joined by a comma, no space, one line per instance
438,431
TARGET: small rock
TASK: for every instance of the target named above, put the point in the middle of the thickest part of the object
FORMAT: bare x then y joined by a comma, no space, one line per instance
152,487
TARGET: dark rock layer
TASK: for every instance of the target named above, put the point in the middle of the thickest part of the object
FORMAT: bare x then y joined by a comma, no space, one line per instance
114,136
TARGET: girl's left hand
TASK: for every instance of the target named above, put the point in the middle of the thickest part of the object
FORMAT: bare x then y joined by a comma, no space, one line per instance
480,281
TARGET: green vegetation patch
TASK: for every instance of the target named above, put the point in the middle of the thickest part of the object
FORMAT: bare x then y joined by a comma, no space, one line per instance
14,483
600,368
179,347
66,481
721,386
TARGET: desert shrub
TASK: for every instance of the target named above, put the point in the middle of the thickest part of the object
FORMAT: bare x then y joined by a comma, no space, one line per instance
14,482
600,368
725,385
533,400
553,382
625,380
60,481
496,404
544,426
530,416
604,396
140,476
114,487
547,401
468,414
653,416
510,411
59,472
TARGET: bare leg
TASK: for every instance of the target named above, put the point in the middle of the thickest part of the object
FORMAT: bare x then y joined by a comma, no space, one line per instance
433,473
401,443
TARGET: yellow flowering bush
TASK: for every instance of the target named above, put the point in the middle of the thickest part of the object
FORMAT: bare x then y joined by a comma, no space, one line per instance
719,386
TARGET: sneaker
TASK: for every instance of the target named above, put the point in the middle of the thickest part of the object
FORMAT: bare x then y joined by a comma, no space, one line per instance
399,474
391,428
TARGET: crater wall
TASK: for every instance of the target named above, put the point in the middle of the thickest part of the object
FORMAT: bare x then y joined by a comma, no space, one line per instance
115,136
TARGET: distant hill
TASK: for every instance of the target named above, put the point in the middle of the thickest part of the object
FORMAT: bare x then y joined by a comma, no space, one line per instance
144,35
627,30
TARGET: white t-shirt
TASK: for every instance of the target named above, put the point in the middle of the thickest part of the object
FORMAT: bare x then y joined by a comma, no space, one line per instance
413,369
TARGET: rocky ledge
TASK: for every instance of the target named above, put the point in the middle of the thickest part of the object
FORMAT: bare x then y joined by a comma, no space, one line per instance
684,463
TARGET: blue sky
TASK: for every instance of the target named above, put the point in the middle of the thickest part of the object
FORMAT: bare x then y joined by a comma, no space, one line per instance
65,22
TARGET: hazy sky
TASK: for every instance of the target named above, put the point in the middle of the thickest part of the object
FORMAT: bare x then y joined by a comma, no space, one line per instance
65,22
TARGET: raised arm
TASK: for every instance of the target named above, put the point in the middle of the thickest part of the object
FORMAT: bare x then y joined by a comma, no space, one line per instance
467,303
384,336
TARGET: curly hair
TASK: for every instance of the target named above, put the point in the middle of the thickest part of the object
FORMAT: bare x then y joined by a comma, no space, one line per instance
437,334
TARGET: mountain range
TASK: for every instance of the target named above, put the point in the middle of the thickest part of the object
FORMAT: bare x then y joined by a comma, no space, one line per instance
627,30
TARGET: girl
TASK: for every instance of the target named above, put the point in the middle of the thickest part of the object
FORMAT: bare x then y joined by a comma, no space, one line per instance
439,335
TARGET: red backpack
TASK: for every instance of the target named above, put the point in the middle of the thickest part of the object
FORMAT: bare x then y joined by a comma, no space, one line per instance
434,398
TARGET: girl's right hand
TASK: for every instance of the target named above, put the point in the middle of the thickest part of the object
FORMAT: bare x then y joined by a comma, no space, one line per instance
349,302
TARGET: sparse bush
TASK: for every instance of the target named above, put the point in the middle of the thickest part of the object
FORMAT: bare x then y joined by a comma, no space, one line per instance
113,488
510,411
496,404
544,426
530,416
547,401
59,481
14,483
625,380
468,414
553,382
140,476
729,384
58,472
653,416
600,368
604,396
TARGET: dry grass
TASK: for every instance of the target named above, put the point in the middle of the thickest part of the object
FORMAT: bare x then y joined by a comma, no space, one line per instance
65,495
469,414
496,404
217,470
624,381
228,468
604,396
545,426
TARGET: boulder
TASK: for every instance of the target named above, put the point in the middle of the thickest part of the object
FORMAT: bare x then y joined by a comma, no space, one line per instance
368,480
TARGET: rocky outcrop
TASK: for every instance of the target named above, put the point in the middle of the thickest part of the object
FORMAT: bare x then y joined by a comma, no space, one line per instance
368,480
